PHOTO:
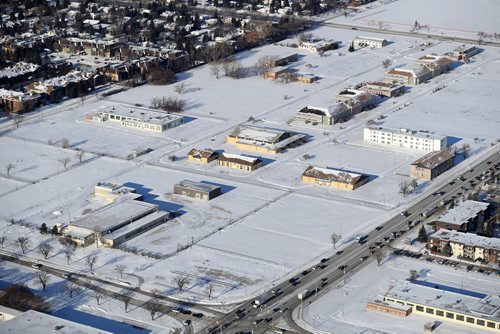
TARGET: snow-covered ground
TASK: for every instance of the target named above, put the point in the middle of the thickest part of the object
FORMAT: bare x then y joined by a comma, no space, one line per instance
343,309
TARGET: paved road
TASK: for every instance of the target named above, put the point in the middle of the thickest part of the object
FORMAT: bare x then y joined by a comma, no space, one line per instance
283,297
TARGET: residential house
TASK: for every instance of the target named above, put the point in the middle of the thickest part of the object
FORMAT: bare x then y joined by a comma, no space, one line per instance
204,156
18,102
431,165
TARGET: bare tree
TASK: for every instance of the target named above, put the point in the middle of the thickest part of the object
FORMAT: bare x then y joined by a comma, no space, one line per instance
413,274
64,143
71,288
9,167
413,184
465,150
97,294
68,253
50,142
181,282
120,268
180,88
215,69
264,64
79,155
18,119
45,249
3,238
91,260
64,162
386,62
404,188
379,255
153,307
209,289
41,278
126,297
335,238
24,243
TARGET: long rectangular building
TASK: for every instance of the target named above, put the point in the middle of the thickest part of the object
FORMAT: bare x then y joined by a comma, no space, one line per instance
264,140
333,178
405,138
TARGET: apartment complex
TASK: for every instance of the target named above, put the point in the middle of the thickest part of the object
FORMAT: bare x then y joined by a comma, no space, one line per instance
465,217
431,165
467,246
264,140
405,138
334,178
140,119
18,102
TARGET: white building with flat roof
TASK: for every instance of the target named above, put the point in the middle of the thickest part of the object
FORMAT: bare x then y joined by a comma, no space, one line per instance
141,119
405,138
372,42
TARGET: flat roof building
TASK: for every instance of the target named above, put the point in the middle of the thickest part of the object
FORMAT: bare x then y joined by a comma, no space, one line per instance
405,76
333,178
465,217
141,119
372,42
405,138
197,190
265,140
383,88
431,165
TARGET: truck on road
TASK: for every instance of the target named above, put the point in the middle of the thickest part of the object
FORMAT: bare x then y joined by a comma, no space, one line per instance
303,295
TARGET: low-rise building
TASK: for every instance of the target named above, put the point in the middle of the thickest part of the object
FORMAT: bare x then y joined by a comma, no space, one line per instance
383,88
319,46
198,190
465,217
124,217
431,165
315,115
282,60
204,156
467,246
371,42
275,72
240,162
437,64
405,76
140,119
264,140
358,99
305,77
389,307
405,138
18,102
448,304
464,53
333,178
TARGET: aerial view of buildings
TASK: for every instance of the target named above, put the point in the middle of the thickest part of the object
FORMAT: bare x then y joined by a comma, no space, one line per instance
249,166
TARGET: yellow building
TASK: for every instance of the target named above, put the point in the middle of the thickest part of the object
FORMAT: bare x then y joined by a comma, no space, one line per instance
203,156
333,178
240,162
264,140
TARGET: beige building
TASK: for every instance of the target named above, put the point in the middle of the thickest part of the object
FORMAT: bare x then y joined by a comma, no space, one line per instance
431,165
405,76
383,89
467,246
405,138
240,162
140,119
448,304
436,64
204,156
264,140
333,178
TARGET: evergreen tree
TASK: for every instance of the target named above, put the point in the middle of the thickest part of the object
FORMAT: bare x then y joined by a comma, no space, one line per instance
54,230
422,234
447,249
351,48
43,228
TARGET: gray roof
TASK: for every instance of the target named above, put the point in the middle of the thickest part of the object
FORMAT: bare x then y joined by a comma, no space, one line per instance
463,212
205,187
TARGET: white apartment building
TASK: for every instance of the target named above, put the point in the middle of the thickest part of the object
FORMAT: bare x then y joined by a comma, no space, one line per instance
405,138
371,42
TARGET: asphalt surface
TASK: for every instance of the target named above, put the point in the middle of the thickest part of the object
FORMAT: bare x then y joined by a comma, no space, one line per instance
282,299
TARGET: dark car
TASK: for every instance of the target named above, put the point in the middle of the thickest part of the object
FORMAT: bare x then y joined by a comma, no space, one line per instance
305,272
323,260
378,228
342,267
339,252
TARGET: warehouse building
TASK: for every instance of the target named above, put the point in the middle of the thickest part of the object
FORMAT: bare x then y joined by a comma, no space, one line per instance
197,190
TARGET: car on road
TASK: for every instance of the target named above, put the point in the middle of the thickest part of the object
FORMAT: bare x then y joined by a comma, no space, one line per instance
323,266
323,260
363,257
378,228
342,267
36,265
305,272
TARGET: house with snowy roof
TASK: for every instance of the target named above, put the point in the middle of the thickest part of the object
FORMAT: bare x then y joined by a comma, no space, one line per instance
334,178
431,165
465,217
405,76
204,156
241,162
18,102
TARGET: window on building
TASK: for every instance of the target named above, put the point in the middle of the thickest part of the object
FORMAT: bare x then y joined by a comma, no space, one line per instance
429,310
470,320
490,324
450,315
420,308
480,322
459,317
440,313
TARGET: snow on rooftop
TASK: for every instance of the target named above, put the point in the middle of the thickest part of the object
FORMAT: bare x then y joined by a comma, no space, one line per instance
259,134
463,212
469,239
197,185
408,132
17,69
140,114
251,160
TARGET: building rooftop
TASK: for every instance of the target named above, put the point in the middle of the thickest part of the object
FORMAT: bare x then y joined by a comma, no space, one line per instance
414,72
139,114
17,69
33,322
267,137
205,187
206,153
333,175
113,215
316,111
433,159
386,85
414,133
370,38
469,239
144,221
20,96
447,298
463,212
242,159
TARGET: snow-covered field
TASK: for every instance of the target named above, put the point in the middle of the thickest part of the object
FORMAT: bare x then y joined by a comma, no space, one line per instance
343,309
